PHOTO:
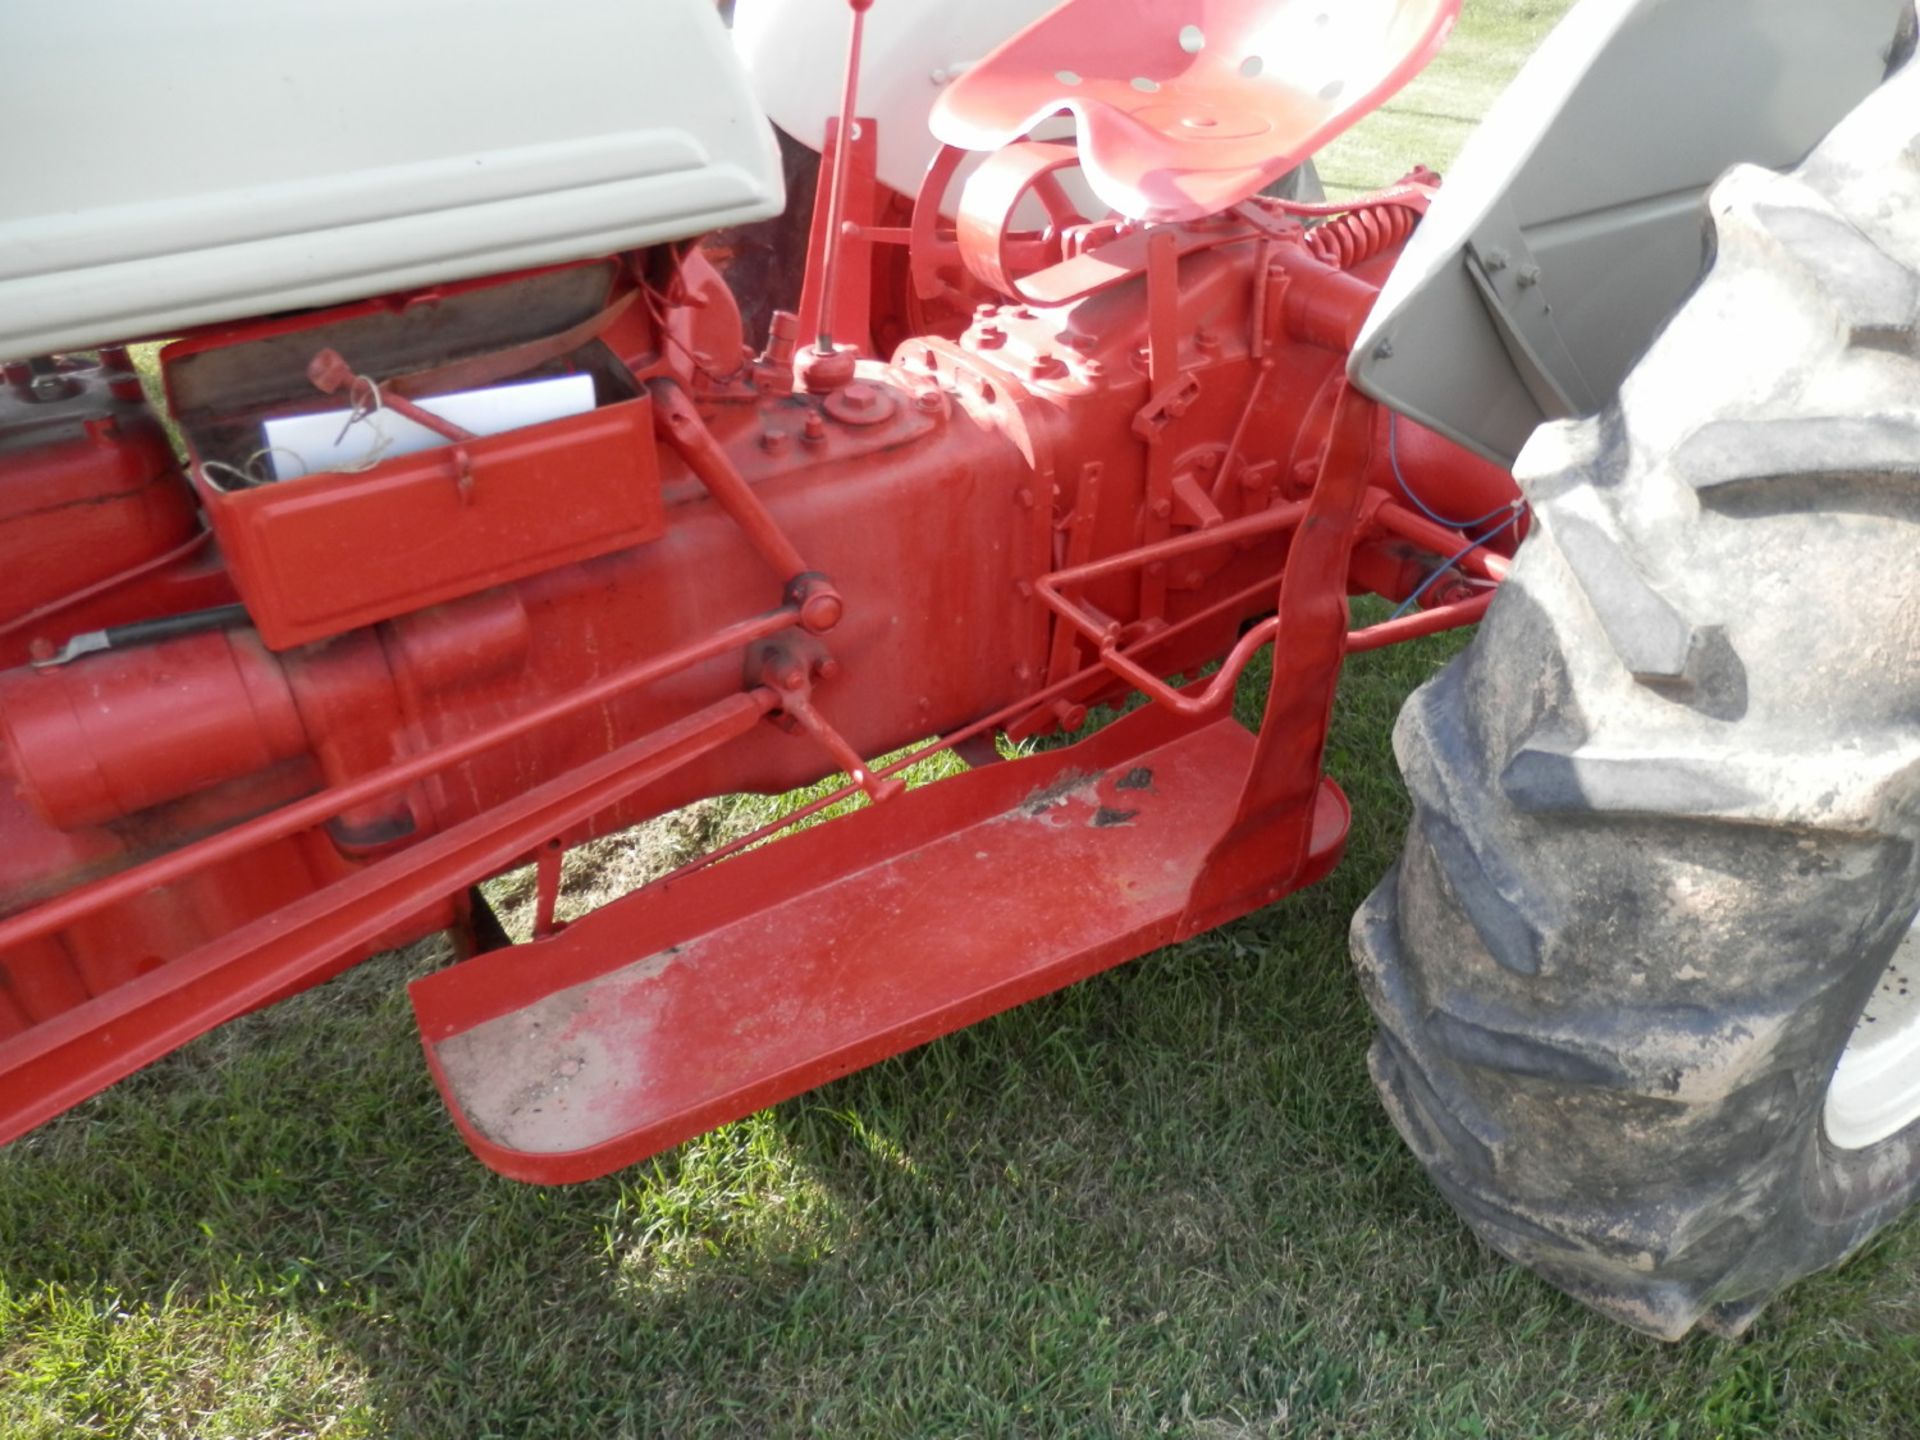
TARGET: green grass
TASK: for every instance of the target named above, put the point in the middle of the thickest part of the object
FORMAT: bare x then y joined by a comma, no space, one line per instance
1430,120
1164,1202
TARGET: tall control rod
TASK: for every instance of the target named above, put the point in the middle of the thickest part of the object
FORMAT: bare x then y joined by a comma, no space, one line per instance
837,209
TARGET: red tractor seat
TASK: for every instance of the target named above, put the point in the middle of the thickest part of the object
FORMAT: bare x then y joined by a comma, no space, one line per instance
1187,107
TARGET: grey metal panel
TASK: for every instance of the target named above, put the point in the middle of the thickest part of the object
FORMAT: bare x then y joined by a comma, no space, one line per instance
1572,226
172,164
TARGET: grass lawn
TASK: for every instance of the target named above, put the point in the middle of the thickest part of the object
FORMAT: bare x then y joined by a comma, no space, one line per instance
1164,1202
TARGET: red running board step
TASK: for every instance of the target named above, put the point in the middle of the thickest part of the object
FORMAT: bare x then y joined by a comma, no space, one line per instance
679,1008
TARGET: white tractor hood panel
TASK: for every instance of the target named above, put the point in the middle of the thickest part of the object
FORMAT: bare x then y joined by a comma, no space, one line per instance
173,164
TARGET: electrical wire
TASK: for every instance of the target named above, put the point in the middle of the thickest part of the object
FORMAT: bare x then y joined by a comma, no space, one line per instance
1393,455
1518,508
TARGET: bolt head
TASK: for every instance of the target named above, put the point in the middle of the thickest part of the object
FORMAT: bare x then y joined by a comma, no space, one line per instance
821,612
47,388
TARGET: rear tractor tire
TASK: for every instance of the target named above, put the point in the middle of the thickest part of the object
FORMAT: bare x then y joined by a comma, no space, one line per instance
1646,976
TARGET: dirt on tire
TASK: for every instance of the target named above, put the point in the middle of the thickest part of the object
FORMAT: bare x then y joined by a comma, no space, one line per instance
1667,805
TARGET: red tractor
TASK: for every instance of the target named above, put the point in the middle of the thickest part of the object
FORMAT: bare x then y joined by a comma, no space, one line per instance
515,476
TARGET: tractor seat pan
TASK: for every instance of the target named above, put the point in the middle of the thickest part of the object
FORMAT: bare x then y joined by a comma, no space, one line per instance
1187,107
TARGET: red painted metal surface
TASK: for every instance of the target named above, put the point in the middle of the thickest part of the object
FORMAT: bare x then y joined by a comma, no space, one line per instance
1270,842
846,134
86,1048
1191,106
653,1019
54,916
88,493
323,554
1049,701
997,254
848,278
1141,457
1107,632
680,425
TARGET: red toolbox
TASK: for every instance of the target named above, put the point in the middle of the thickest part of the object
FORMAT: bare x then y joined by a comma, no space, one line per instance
323,553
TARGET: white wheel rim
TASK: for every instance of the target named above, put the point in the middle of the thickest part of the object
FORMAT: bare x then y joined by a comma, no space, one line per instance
1875,1090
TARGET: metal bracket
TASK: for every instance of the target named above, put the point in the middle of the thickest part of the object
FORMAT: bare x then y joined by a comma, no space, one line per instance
788,665
1166,406
1513,287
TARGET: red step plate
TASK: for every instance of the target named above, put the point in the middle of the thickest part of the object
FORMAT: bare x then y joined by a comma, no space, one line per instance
685,1006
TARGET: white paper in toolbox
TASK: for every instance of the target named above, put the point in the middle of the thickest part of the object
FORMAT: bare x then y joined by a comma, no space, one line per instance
309,444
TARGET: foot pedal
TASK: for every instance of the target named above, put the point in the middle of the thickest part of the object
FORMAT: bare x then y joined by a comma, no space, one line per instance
687,1005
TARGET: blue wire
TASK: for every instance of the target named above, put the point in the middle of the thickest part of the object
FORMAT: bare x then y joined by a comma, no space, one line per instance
1433,579
1393,454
